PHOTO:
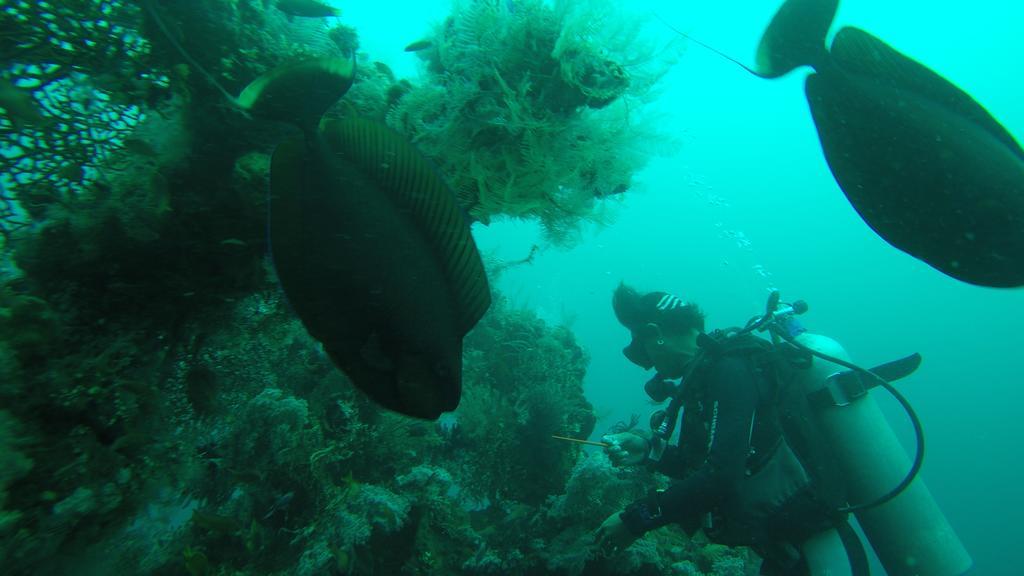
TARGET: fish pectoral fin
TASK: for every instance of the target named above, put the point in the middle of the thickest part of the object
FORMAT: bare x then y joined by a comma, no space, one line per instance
373,353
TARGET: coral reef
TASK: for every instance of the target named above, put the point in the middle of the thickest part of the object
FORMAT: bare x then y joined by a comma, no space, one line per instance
165,412
523,384
13,465
75,74
534,109
265,460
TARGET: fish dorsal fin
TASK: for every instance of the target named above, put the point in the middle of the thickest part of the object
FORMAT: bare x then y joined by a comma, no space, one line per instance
403,173
299,93
857,51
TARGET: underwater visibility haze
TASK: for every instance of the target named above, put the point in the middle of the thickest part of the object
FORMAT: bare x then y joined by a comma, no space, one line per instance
350,320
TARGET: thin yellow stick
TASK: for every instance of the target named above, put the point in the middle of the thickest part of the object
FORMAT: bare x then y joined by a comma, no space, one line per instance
587,442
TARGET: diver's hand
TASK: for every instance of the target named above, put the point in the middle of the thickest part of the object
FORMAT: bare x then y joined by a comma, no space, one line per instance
613,535
626,448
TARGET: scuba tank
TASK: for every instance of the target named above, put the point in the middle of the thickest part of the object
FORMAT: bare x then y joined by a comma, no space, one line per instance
894,508
880,486
907,531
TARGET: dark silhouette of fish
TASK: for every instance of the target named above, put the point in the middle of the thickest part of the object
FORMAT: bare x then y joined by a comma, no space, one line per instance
370,246
21,108
377,259
925,165
307,8
419,45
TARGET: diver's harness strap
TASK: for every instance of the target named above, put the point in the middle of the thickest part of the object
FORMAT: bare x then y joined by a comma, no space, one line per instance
715,346
670,416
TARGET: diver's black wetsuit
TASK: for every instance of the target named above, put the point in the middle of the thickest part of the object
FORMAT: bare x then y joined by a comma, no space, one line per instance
714,441
714,445
720,431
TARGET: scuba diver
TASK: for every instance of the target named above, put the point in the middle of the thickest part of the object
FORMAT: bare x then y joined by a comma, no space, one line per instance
780,446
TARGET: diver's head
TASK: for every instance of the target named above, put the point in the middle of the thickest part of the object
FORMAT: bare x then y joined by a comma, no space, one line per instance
663,326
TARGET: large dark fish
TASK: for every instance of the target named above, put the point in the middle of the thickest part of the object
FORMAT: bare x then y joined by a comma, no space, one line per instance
377,259
372,250
927,167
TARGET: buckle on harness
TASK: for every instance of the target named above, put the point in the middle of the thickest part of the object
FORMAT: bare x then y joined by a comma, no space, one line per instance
840,389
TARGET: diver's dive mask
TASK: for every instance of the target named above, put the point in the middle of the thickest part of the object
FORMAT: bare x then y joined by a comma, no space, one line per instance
635,352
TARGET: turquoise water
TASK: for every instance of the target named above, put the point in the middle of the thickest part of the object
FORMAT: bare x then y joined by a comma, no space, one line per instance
218,439
748,204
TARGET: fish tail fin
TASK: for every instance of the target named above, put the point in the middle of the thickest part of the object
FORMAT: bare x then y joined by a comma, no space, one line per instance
795,37
299,93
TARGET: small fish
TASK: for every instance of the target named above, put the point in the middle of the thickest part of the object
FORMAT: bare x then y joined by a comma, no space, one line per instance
20,106
307,8
925,165
281,504
419,45
139,146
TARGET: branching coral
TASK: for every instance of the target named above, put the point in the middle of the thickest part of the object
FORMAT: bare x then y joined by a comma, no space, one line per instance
533,110
269,432
164,410
523,383
595,490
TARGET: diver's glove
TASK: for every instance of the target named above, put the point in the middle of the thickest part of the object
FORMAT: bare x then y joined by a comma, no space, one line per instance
644,515
627,448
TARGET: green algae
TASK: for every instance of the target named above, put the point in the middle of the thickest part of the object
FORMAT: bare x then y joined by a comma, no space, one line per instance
166,413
